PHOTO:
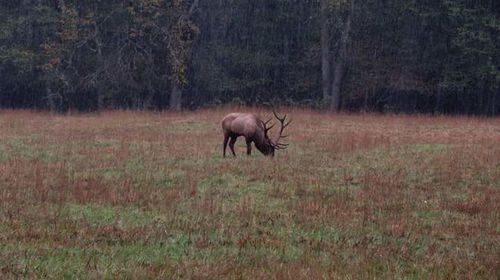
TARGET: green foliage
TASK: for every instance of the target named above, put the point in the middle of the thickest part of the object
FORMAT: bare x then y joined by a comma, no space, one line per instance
22,59
99,54
474,39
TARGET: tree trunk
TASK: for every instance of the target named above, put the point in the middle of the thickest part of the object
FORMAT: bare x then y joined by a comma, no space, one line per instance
339,64
325,50
493,102
439,100
179,51
100,64
175,97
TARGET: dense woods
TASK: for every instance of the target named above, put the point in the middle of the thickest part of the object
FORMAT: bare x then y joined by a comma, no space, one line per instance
371,55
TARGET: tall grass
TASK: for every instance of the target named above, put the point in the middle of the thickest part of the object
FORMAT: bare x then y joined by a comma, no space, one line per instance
141,194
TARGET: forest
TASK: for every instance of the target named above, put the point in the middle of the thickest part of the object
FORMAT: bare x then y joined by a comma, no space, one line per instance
439,57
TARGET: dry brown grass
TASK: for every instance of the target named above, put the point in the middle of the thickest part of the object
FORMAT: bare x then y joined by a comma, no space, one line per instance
143,194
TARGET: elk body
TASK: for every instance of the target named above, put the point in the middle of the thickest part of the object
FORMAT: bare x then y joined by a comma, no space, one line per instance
254,130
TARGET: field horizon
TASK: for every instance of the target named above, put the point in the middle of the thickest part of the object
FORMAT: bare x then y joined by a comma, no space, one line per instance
139,194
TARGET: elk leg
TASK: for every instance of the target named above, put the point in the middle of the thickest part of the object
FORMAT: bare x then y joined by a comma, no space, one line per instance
249,146
226,139
231,144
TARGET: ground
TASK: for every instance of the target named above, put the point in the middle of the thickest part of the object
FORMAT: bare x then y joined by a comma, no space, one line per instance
148,195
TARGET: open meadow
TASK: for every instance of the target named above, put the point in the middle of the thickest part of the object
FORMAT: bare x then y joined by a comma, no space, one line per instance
148,195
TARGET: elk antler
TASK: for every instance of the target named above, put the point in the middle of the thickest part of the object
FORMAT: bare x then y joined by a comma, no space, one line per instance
284,124
266,129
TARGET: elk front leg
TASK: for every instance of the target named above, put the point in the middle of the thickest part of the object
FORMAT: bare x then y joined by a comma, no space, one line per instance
226,139
231,144
249,146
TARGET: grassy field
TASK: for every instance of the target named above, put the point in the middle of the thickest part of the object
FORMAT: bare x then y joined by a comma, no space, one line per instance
148,195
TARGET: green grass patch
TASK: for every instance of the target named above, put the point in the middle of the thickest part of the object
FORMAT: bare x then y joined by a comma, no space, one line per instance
96,216
27,148
188,126
105,262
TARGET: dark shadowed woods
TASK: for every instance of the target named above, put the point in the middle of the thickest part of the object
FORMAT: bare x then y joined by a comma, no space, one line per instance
351,55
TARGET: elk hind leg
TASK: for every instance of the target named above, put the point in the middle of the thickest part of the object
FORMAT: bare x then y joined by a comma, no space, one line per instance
249,146
226,139
231,144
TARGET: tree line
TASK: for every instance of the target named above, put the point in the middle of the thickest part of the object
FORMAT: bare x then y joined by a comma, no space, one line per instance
439,56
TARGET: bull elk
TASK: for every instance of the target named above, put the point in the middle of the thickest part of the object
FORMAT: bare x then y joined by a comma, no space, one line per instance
254,130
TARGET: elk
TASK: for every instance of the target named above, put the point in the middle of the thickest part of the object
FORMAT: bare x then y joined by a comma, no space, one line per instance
254,130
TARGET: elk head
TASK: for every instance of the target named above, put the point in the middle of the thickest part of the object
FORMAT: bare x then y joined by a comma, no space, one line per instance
276,144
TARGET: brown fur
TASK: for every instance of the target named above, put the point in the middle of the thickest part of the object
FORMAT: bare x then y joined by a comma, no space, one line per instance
249,126
254,130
